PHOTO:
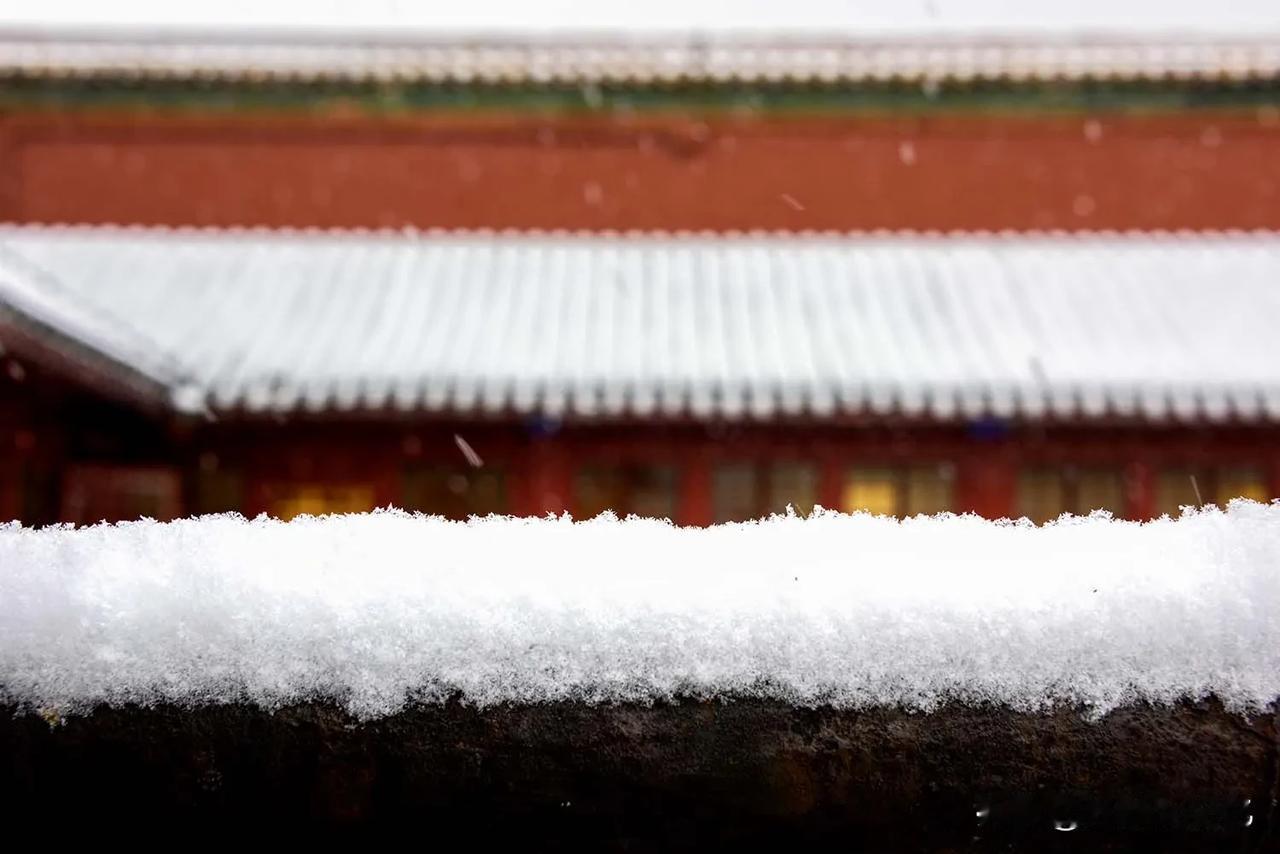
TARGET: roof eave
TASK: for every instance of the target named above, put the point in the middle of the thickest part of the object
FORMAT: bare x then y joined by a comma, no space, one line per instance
85,366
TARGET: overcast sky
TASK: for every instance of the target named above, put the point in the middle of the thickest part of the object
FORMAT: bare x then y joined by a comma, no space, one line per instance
542,15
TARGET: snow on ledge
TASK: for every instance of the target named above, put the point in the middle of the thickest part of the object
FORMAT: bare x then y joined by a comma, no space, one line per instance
381,609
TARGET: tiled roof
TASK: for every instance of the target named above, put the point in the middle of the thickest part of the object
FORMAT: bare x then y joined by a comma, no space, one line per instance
35,306
647,60
1130,326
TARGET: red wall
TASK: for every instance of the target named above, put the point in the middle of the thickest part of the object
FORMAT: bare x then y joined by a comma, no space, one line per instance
1197,169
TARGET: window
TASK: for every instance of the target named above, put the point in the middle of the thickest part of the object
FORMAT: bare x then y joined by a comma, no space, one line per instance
317,499
1041,495
928,490
117,493
733,492
1240,483
899,491
634,490
1045,494
1177,488
794,485
872,490
747,490
1099,489
1195,486
454,492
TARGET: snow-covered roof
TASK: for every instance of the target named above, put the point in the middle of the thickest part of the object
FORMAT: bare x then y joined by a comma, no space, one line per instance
377,610
644,59
33,303
697,16
1065,326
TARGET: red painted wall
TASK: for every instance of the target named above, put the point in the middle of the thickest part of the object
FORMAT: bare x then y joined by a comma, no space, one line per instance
1198,169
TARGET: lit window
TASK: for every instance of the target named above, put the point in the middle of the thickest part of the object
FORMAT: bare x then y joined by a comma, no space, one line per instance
871,490
909,491
453,492
1241,483
626,490
319,499
1046,493
744,490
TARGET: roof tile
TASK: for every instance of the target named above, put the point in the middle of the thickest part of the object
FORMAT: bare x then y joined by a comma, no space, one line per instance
737,327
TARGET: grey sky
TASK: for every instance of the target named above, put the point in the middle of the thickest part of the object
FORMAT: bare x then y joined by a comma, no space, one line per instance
850,16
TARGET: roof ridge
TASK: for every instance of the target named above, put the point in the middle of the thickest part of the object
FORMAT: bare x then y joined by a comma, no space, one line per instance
480,38
657,57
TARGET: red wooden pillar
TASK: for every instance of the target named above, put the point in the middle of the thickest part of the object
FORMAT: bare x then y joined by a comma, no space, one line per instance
10,175
257,496
1140,493
831,481
987,482
695,491
549,481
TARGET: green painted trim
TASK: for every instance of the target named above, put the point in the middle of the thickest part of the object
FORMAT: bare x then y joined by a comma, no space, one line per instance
400,98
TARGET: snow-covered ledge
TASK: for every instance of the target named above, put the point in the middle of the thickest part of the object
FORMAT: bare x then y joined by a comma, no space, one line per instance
946,677
386,608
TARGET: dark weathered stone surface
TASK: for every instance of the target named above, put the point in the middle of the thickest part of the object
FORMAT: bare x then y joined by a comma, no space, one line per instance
687,775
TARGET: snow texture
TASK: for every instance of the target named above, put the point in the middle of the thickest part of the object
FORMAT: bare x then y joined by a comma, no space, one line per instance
381,609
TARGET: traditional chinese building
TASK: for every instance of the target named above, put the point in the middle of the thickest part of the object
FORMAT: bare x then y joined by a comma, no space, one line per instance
696,279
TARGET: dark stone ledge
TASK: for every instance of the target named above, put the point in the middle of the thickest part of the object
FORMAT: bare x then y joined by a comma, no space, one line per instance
687,775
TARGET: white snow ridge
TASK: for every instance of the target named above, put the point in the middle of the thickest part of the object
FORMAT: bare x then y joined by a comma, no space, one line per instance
383,609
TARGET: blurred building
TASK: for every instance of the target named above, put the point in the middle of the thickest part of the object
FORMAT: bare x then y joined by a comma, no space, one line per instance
691,278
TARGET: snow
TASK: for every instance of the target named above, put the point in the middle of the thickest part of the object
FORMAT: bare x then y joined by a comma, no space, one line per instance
821,16
955,326
381,609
